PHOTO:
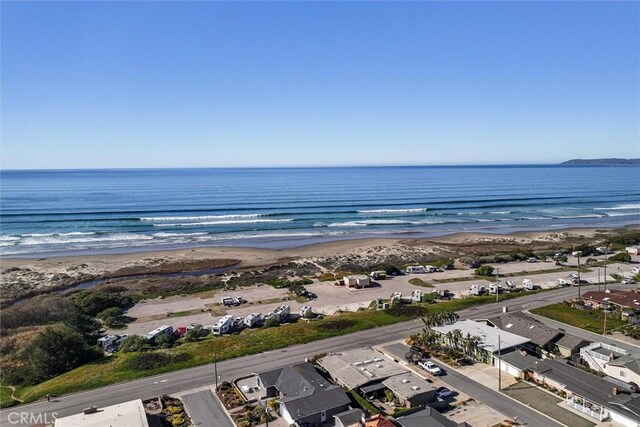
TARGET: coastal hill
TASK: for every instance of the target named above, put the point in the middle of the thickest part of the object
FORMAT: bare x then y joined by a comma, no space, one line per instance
601,162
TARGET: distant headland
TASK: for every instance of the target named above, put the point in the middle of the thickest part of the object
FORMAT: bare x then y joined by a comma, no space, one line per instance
601,162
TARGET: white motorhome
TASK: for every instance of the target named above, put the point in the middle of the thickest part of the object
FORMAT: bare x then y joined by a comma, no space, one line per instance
416,296
396,296
223,325
476,289
305,310
227,301
510,285
528,284
495,287
252,320
164,329
282,313
430,268
415,269
378,275
562,282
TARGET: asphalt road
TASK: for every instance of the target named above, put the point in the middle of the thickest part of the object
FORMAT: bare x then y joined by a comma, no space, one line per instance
205,410
200,376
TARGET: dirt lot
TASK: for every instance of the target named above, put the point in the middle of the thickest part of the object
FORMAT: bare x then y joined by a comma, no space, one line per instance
263,299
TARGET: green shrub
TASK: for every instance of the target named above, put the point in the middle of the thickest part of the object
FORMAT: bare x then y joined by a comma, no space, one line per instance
621,257
271,322
133,343
484,270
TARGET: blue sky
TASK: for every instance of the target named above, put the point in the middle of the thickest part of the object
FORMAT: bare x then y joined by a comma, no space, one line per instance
198,84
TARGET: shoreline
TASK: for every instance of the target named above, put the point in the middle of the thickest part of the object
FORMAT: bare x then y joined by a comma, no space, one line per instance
447,238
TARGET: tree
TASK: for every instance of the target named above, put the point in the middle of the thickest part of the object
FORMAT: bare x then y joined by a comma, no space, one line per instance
93,302
192,335
133,343
55,351
484,270
165,340
561,259
86,326
621,257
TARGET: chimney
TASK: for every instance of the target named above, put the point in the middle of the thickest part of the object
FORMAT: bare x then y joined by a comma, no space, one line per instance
614,391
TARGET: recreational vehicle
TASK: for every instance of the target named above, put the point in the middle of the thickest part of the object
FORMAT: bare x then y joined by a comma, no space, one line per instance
252,320
378,275
282,313
415,269
223,325
164,329
416,296
528,284
476,290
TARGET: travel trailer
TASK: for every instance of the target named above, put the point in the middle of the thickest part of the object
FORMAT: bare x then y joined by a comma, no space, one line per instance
223,325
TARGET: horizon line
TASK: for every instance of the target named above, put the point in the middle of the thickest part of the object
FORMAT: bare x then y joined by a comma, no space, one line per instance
290,166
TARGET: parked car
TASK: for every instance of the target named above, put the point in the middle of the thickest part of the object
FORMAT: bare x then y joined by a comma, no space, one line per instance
430,367
532,259
628,282
444,392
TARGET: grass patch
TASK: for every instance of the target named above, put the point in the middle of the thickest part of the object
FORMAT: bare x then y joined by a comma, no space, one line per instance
118,368
185,313
419,282
590,320
5,397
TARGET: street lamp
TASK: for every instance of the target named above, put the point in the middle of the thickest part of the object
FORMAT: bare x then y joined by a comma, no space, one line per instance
215,368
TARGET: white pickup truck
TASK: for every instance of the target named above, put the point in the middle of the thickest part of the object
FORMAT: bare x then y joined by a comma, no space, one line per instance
430,367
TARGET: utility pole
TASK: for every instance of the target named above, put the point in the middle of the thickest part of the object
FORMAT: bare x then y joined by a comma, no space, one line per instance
604,329
579,281
499,366
215,369
497,284
598,279
605,268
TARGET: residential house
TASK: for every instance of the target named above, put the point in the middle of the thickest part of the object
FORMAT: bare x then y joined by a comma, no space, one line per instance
616,298
490,341
613,361
427,417
587,393
127,414
539,335
306,398
410,389
357,368
350,418
547,339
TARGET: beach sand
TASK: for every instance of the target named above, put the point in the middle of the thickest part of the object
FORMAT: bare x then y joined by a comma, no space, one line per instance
22,277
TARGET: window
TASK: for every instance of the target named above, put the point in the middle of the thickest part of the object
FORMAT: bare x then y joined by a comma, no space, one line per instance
623,374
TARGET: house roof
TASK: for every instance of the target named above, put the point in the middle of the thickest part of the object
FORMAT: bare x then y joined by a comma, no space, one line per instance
630,361
519,359
127,414
571,342
359,367
350,417
408,385
620,298
427,417
587,385
488,335
525,326
303,390
378,421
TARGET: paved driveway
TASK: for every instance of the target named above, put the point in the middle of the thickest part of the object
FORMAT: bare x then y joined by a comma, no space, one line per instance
206,410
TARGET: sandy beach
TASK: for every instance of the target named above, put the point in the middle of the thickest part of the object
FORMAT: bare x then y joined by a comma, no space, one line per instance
27,277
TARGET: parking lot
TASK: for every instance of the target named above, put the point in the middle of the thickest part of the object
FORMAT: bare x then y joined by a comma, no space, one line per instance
330,299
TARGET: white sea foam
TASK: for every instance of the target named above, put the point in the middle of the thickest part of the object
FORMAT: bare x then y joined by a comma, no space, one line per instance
622,213
199,218
9,238
170,235
365,223
579,216
62,240
621,207
222,222
391,211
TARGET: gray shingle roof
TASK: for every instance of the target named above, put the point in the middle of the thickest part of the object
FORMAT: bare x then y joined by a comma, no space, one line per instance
427,417
631,361
303,390
352,416
571,342
525,326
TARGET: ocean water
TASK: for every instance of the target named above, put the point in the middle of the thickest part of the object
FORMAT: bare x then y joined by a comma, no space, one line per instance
45,213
